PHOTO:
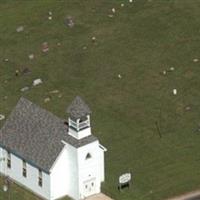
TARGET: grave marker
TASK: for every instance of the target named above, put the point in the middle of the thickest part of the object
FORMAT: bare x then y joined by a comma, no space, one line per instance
37,82
20,29
2,117
175,91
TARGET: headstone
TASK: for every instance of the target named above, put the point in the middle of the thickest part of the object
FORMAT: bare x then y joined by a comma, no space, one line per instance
171,69
50,13
110,15
24,89
195,60
93,39
113,10
60,95
37,82
54,91
16,72
130,1
50,17
47,99
174,91
31,56
119,76
188,108
2,117
164,72
122,5
6,59
69,21
5,188
20,29
45,47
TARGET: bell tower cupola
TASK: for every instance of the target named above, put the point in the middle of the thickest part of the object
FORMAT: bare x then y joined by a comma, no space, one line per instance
79,118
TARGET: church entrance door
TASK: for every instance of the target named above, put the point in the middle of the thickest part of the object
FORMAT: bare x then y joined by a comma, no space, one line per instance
89,187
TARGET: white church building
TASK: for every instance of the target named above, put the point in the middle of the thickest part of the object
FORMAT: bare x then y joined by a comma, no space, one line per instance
50,156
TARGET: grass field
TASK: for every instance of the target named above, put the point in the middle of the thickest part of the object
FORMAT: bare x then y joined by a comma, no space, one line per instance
16,192
140,41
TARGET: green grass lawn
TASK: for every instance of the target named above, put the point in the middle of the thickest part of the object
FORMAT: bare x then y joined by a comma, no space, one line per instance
140,41
16,192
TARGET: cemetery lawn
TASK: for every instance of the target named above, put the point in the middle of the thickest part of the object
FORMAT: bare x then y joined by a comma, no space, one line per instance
139,42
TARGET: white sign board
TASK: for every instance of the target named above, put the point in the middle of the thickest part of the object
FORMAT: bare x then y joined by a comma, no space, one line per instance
124,178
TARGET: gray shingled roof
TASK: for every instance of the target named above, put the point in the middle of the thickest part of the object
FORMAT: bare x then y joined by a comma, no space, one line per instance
78,108
35,135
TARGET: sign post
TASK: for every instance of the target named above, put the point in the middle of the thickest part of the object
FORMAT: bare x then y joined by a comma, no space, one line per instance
124,181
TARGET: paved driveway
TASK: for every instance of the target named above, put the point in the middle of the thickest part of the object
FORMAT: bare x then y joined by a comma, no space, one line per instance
100,196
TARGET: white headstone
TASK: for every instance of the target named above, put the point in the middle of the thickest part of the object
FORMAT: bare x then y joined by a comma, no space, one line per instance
31,56
195,60
175,91
20,29
2,117
46,100
54,91
5,188
24,89
37,82
113,10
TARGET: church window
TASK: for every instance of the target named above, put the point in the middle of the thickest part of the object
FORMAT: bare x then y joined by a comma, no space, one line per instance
8,160
88,156
24,169
40,178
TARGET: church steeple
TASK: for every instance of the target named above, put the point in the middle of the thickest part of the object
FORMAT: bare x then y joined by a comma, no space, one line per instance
79,118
